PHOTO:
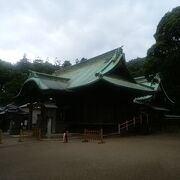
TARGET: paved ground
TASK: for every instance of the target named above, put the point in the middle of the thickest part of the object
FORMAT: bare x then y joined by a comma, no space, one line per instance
155,157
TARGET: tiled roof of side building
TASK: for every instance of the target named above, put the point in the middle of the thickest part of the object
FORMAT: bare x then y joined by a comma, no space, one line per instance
153,84
122,83
46,81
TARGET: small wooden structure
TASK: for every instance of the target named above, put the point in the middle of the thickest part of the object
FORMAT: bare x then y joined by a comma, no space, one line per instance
93,135
13,118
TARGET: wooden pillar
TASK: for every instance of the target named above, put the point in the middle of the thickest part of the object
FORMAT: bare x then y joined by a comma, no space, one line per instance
30,106
134,121
127,125
39,134
148,127
20,136
0,136
49,123
101,135
141,118
119,128
85,135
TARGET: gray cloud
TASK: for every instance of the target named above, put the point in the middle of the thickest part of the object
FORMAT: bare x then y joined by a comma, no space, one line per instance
70,29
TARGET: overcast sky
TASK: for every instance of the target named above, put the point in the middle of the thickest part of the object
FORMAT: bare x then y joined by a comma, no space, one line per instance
70,29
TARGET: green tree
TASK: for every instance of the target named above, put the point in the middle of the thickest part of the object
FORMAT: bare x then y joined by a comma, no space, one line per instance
12,76
164,55
77,61
135,67
23,64
66,63
83,60
6,75
6,70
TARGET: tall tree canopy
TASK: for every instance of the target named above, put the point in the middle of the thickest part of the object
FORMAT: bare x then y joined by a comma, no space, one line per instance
12,76
135,67
66,63
164,55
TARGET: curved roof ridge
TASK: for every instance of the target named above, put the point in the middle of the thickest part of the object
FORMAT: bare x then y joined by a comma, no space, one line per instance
44,75
114,60
88,61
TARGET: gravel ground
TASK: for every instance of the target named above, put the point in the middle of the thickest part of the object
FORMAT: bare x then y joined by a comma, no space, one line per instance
133,158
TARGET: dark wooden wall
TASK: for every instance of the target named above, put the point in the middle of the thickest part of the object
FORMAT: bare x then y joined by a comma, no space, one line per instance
100,106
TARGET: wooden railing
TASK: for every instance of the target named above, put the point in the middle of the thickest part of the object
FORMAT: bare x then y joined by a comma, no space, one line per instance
131,123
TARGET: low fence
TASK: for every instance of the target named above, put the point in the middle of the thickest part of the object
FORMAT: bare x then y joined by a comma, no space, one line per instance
133,123
130,123
35,133
93,135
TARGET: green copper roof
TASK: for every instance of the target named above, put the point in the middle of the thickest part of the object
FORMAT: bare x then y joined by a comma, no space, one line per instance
123,83
91,70
154,84
45,81
100,68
